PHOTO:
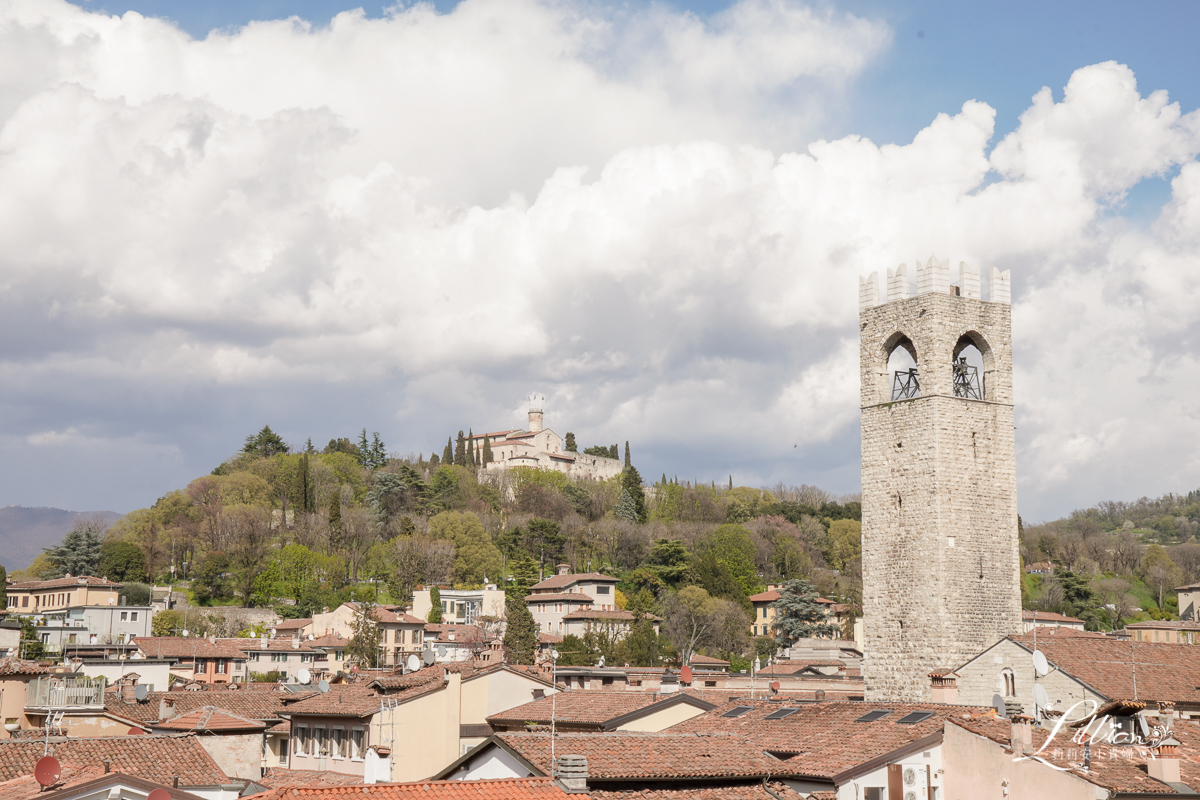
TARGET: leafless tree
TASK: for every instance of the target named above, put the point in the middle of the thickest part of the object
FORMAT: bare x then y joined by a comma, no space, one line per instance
416,560
1115,598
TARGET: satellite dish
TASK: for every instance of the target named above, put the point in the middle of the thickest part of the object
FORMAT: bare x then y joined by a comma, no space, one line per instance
774,686
998,704
428,658
47,770
159,794
140,691
184,632
323,686
303,676
554,654
1040,664
134,731
441,651
685,674
1040,697
600,663
414,663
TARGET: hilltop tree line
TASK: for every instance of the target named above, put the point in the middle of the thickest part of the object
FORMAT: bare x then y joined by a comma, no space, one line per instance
299,529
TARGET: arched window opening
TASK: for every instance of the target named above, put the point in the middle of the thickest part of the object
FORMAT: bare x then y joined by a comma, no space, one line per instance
968,369
902,369
1010,684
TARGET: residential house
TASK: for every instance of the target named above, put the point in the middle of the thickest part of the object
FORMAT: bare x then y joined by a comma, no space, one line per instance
1084,666
197,659
1040,568
60,594
287,628
601,711
451,643
330,653
92,782
10,638
1189,601
763,623
461,606
704,664
409,724
283,656
15,678
400,634
1049,619
1177,631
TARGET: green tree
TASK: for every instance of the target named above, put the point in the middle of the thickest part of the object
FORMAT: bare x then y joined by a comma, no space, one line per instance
264,444
363,647
626,508
1159,572
573,652
168,622
3,587
79,551
136,593
798,615
31,646
631,481
364,450
569,444
628,463
460,450
734,549
520,634
598,450
487,451
470,448
524,574
343,445
668,560
709,572
336,532
475,555
379,456
122,561
209,581
613,452
642,647
694,619
435,605
844,543
448,453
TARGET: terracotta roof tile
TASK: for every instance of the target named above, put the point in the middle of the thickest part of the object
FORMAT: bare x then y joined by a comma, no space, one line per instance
768,596
746,791
1165,671
708,661
1047,616
186,647
649,756
826,735
155,758
560,581
279,776
26,787
290,624
211,718
1166,624
19,666
273,645
578,707
342,700
329,640
240,702
505,789
615,614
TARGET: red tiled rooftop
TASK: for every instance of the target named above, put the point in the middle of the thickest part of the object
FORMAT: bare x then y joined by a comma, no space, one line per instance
211,718
746,791
502,789
155,758
578,707
186,647
19,666
243,702
561,581
280,776
768,596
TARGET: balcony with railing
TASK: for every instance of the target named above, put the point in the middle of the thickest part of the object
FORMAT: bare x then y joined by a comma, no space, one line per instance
62,692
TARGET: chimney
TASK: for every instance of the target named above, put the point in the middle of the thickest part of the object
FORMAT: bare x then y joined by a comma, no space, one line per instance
295,642
262,643
564,569
1021,735
107,765
944,686
1166,714
819,694
572,773
1165,765
166,708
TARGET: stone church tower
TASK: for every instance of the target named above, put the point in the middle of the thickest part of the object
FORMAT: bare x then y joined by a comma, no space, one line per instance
941,569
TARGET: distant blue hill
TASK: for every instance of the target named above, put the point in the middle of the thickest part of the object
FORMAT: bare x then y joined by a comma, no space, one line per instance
25,531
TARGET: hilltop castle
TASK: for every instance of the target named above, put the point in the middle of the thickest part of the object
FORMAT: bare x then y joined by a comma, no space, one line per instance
941,571
541,447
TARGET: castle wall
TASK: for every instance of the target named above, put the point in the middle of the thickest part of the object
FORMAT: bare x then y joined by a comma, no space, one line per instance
941,569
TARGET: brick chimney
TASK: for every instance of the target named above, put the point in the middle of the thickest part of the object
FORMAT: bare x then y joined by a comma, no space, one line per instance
944,686
572,773
564,569
295,642
1165,765
166,708
1166,714
1021,735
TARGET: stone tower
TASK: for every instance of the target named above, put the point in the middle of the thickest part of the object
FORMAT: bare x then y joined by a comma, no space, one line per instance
941,569
537,404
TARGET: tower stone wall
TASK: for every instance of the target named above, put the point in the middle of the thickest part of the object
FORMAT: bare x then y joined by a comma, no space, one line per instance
941,569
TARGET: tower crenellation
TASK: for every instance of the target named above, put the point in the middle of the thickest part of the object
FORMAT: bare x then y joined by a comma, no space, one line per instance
940,549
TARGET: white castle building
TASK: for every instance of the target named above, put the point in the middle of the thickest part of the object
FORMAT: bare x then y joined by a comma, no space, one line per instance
542,447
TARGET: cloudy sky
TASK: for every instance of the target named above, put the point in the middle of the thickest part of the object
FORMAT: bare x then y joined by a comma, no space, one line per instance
214,216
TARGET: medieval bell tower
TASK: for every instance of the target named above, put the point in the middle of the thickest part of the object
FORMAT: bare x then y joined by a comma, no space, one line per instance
941,570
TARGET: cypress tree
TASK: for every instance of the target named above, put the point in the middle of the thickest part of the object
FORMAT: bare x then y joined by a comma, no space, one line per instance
434,462
631,481
569,445
460,450
470,448
520,635
730,481
613,452
448,453
364,449
628,463
308,446
335,518
435,605
664,479
487,451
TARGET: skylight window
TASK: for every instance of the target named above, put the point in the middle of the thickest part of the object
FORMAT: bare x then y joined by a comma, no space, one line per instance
914,718
873,716
781,713
737,711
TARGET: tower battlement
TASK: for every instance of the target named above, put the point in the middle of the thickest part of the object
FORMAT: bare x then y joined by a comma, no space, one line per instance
933,277
941,568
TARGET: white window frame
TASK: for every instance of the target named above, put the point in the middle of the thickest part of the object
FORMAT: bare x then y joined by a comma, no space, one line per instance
301,740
